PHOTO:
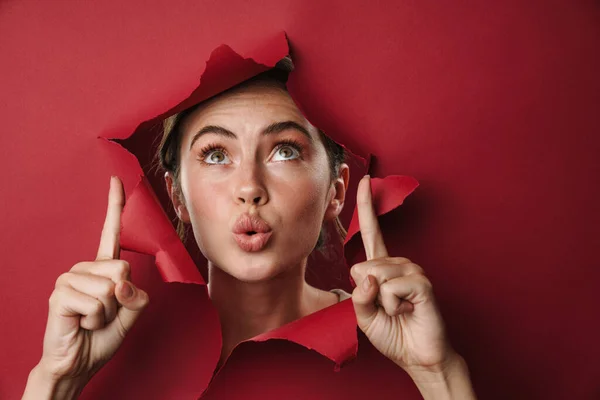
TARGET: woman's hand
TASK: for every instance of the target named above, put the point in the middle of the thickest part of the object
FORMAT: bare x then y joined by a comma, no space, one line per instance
396,309
92,308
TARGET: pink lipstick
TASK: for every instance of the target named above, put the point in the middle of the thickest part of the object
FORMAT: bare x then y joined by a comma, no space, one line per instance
251,233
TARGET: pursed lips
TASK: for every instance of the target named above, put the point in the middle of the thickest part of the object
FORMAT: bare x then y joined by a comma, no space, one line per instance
251,232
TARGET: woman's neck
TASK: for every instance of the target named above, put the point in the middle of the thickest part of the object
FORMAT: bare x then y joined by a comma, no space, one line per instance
247,309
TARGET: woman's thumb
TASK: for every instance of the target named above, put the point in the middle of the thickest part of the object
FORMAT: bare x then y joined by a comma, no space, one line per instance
133,300
363,297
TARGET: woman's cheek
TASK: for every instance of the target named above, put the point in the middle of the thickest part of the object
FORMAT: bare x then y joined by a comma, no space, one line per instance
209,201
202,198
209,218
304,205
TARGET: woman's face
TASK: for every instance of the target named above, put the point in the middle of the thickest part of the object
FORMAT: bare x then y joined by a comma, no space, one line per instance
255,182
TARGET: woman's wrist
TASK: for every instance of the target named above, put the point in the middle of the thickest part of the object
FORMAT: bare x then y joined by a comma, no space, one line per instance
42,385
448,381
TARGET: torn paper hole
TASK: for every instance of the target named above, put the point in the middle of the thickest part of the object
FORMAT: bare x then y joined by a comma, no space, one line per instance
148,229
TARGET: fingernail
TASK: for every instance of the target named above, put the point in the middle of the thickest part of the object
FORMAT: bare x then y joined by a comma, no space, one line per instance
127,290
400,308
367,176
366,285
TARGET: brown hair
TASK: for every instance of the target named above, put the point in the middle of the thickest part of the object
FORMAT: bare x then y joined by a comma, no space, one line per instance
169,147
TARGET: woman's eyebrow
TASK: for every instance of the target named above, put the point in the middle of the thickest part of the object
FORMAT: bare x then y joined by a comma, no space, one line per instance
274,128
278,127
217,130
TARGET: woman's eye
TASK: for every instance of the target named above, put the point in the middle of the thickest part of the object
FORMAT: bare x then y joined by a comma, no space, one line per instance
286,152
216,157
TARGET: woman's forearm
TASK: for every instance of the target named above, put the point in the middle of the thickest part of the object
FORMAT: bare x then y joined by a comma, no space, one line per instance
41,386
449,383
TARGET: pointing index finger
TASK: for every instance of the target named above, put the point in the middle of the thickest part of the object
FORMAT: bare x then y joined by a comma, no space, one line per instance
367,220
109,240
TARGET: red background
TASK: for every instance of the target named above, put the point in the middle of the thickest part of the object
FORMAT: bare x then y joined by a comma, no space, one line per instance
492,106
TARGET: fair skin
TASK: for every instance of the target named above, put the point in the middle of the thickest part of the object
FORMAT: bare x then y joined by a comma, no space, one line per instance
283,177
256,157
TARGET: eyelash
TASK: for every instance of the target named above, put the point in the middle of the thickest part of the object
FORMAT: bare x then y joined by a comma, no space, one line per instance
291,143
209,148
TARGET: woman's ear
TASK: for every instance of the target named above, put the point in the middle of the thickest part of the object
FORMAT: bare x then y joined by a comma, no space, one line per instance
176,198
337,194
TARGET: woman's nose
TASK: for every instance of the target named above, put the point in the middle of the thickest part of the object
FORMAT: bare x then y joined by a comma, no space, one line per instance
250,189
252,196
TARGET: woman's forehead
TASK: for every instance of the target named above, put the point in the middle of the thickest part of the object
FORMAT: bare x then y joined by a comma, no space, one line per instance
254,104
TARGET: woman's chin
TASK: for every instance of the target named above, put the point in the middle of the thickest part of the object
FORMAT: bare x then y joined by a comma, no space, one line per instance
254,268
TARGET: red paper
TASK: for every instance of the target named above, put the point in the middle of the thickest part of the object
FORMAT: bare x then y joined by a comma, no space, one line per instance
146,228
493,107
